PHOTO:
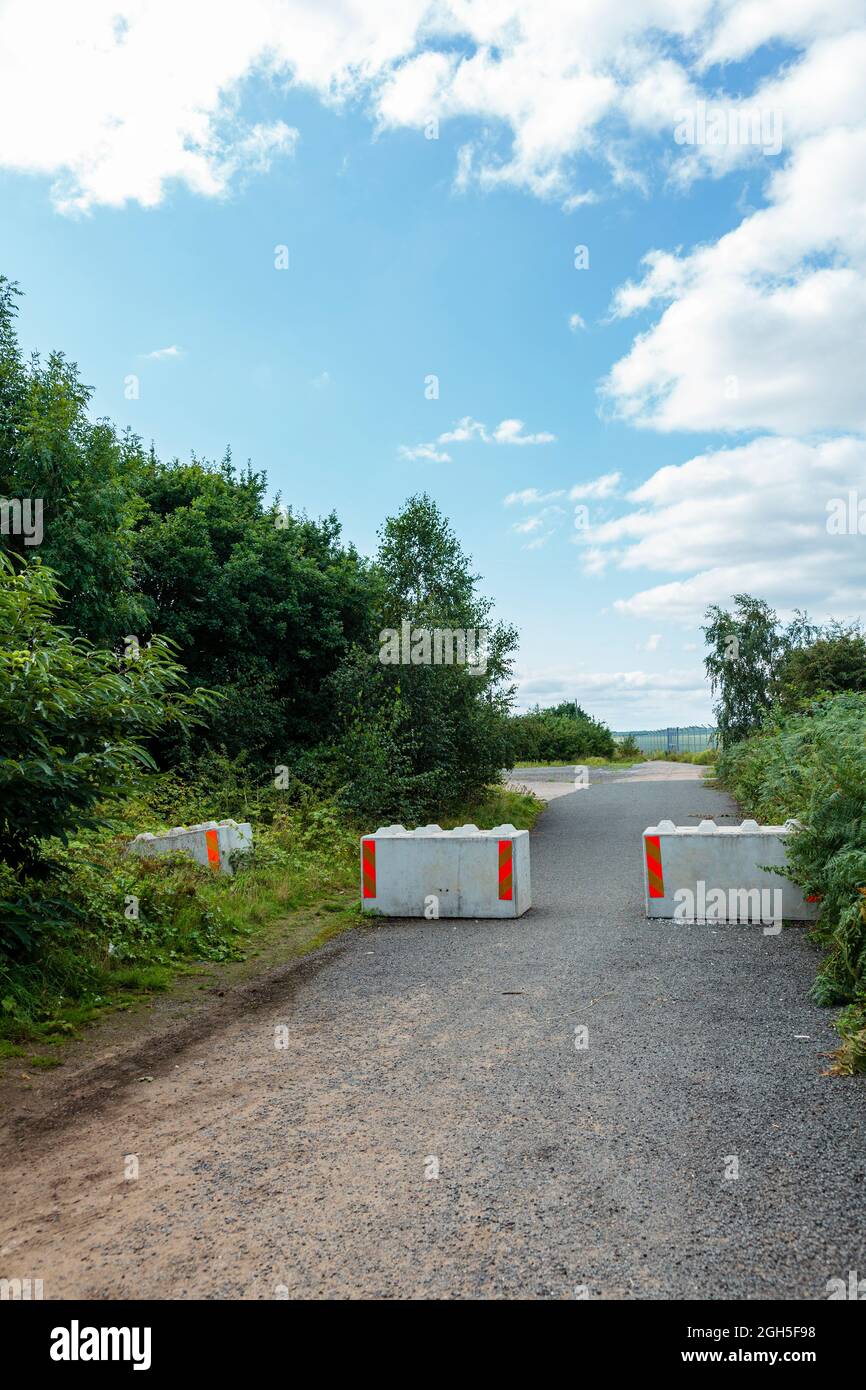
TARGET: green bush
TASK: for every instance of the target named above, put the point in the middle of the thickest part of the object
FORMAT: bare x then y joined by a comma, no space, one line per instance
628,747
563,733
83,474
755,663
812,766
834,661
705,758
73,723
262,604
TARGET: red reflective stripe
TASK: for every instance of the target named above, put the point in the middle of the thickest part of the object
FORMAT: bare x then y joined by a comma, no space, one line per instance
506,870
212,840
368,868
655,879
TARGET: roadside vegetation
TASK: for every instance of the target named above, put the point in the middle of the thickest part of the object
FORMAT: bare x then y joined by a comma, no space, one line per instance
794,716
560,735
179,649
707,757
615,763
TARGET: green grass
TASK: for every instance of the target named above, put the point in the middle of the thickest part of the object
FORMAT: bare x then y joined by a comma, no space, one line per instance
707,757
499,807
142,979
100,960
296,891
585,762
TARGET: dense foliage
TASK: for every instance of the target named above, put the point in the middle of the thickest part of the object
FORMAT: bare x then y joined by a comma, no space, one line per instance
262,605
73,724
811,765
82,476
744,647
833,660
755,662
560,733
413,739
73,717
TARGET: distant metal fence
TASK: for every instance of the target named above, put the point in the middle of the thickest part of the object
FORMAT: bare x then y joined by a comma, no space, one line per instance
691,739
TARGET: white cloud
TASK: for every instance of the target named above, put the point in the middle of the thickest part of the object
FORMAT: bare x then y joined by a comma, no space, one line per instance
511,432
593,560
597,488
624,699
579,200
530,495
602,486
538,541
535,522
751,519
744,26
463,431
424,451
575,321
116,99
161,353
506,432
467,429
756,329
759,329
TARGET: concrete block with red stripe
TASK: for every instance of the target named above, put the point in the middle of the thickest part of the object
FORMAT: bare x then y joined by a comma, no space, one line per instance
726,869
212,843
431,872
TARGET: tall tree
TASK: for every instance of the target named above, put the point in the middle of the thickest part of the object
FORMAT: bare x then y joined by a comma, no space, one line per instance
415,737
77,475
745,649
261,603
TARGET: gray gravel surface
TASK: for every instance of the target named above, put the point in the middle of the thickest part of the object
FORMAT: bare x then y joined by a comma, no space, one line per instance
306,1170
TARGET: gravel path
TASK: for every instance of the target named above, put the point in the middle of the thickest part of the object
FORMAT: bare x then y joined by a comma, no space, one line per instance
308,1170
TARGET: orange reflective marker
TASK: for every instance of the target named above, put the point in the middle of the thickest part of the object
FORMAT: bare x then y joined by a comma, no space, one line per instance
506,870
654,866
212,840
368,867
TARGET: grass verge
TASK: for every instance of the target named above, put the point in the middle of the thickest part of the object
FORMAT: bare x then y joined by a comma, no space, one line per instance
127,928
621,763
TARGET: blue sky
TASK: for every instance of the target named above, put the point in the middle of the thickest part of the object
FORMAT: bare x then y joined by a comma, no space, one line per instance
454,256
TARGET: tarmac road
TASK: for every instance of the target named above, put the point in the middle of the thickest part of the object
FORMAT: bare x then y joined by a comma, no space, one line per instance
423,1047
549,782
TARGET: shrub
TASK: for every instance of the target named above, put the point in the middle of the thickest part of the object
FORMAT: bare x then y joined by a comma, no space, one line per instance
554,735
812,766
73,718
833,662
628,747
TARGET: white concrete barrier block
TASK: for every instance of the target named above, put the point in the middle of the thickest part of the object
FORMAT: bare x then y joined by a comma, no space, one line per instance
431,872
212,843
715,873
